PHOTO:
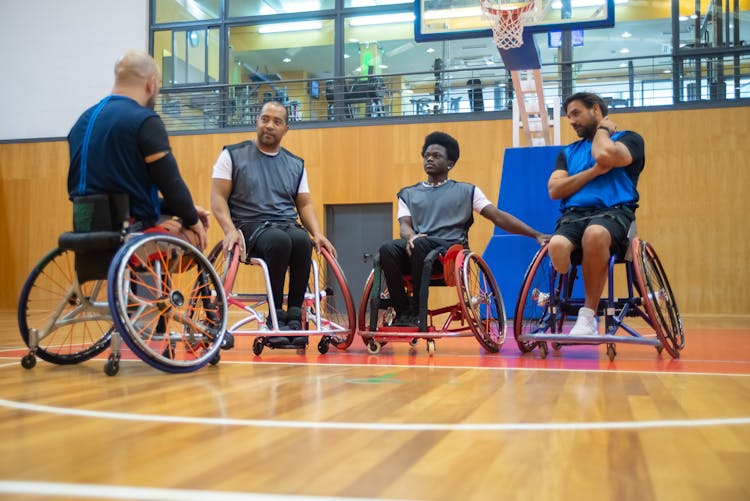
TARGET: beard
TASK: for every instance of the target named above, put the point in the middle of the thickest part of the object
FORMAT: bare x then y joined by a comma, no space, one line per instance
268,140
587,131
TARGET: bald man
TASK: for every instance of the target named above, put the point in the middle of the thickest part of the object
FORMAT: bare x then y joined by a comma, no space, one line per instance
120,145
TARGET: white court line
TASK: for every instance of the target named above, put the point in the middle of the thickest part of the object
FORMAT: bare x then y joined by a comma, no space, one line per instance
149,493
484,368
462,367
325,425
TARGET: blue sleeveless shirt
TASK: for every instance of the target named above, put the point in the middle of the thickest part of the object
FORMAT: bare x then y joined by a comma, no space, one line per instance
616,187
115,163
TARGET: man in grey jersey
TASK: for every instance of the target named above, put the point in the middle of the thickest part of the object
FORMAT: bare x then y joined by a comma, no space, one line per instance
258,190
435,213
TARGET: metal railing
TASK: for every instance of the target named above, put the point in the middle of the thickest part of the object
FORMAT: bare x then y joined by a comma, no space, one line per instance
713,79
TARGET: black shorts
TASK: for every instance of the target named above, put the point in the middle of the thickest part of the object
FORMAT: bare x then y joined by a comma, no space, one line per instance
616,220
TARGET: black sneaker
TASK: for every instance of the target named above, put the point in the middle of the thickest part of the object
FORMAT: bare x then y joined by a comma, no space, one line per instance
281,318
294,318
406,319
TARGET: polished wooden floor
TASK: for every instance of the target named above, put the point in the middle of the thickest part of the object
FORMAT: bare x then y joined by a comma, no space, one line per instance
462,425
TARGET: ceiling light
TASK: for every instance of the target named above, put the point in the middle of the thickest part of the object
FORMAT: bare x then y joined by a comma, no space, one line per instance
403,17
683,18
693,16
430,50
346,56
626,34
624,50
623,65
295,26
383,66
287,60
667,71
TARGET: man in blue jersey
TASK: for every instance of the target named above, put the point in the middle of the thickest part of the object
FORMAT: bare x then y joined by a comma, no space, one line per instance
596,179
120,145
435,213
259,190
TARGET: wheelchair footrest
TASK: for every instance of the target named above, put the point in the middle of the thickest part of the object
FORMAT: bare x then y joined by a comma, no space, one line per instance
602,339
286,342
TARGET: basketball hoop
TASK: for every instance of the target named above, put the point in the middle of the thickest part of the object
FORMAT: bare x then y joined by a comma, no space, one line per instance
507,21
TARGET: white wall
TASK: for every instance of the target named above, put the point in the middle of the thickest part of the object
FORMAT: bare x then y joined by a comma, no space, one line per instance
58,58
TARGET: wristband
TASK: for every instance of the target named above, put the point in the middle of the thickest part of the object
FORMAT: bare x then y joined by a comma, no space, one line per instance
604,128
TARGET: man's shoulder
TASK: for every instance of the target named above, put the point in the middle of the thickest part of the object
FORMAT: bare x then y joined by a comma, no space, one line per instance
291,155
410,188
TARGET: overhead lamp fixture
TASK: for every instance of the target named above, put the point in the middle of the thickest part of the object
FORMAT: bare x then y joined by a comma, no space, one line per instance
429,50
294,26
347,56
403,17
624,50
383,66
287,60
626,34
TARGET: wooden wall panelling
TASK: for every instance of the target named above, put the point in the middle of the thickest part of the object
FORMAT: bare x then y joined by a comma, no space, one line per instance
693,207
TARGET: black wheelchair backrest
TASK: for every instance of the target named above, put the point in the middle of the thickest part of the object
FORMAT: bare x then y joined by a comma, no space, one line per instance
101,212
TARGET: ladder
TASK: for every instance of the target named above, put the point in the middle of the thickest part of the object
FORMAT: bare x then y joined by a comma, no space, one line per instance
530,110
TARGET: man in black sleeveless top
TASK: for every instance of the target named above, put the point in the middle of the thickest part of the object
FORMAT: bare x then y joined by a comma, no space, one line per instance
435,213
259,189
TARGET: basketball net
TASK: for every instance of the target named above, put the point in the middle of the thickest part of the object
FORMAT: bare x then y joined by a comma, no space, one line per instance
507,22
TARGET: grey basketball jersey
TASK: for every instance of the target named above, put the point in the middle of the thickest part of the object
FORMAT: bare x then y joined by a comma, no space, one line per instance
264,188
444,211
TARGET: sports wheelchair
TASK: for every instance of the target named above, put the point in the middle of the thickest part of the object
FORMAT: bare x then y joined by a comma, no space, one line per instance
327,308
547,300
478,312
104,283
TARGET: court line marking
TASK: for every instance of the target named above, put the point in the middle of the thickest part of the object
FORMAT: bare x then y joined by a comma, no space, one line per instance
266,423
428,366
96,491
465,367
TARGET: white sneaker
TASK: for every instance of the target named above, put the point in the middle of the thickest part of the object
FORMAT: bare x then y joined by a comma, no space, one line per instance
586,323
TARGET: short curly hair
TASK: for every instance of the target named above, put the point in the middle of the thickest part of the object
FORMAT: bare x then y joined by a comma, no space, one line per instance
448,142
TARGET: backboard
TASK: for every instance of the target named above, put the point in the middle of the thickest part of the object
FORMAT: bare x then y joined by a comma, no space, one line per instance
454,19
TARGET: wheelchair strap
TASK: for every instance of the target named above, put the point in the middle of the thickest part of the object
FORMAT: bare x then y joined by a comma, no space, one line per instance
85,146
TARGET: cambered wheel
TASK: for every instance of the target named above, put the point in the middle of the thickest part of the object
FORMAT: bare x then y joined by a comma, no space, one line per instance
164,294
480,300
338,317
534,313
364,311
658,298
72,325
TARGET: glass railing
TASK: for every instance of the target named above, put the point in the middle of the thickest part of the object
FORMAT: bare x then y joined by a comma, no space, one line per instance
663,80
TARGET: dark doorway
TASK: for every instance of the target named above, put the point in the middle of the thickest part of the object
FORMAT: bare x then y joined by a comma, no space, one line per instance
357,231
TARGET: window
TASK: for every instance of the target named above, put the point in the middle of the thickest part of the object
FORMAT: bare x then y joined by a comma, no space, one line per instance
187,56
170,11
247,8
262,54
